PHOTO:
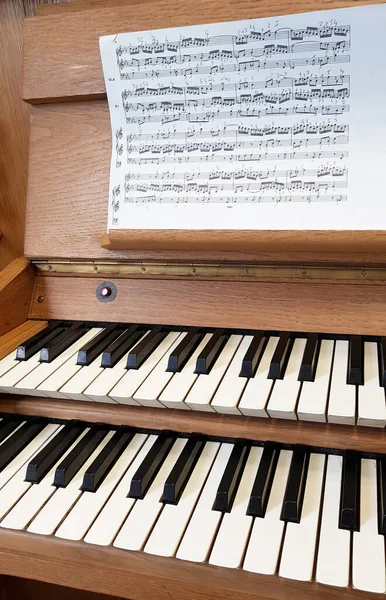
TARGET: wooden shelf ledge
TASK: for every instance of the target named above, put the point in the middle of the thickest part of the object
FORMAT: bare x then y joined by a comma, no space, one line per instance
324,435
245,241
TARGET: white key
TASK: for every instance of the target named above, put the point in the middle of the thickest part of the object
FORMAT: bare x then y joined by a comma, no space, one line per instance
34,496
142,517
81,378
232,537
100,388
53,386
148,393
265,542
232,385
282,403
342,399
371,396
59,505
201,393
116,509
83,514
175,392
314,394
19,461
298,554
8,362
368,558
201,531
125,389
333,566
9,380
255,397
31,383
170,527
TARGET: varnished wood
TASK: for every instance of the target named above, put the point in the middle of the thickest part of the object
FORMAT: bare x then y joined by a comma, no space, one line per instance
14,130
306,306
141,576
74,184
16,284
277,430
11,340
61,53
80,5
245,240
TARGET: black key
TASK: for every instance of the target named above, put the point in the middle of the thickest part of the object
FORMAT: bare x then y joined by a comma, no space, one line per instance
8,426
349,509
309,360
149,467
106,459
145,347
179,475
74,461
381,485
18,441
211,352
96,346
263,482
68,337
355,361
382,361
230,480
253,355
39,466
184,350
118,348
38,341
280,357
296,483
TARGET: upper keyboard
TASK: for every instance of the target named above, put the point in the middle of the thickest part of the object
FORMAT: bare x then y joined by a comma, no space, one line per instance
311,377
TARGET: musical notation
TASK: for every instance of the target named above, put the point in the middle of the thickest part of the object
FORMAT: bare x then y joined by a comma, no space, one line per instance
251,112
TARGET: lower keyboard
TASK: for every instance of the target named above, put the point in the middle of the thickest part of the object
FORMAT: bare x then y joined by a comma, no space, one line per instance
296,512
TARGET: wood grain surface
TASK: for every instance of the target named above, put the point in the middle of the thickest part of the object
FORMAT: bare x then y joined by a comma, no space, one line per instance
305,306
61,52
11,340
245,241
16,285
67,199
14,128
141,576
322,435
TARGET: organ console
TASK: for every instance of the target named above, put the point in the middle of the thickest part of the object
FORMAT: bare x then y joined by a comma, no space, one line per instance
182,415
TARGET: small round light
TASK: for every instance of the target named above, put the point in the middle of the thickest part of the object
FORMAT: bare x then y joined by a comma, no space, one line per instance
106,292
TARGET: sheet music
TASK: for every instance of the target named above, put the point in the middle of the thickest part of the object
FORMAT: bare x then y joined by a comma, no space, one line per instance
275,123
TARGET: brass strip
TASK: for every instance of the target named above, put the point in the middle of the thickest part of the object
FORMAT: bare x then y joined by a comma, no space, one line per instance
212,271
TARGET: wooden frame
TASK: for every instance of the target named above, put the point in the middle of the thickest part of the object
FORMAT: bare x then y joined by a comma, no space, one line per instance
139,576
289,306
16,285
324,435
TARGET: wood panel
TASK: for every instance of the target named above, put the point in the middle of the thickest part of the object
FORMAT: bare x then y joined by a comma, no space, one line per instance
276,430
16,588
74,184
14,129
11,340
61,52
305,306
245,241
16,285
80,5
142,576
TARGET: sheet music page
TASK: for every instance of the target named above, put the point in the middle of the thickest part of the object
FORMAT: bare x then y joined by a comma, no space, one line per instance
274,123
